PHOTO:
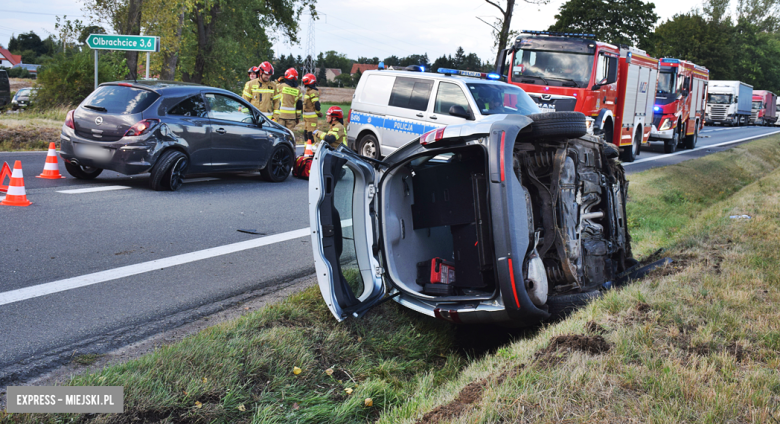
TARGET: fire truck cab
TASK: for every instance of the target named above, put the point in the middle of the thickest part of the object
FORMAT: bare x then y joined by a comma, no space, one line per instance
614,87
680,103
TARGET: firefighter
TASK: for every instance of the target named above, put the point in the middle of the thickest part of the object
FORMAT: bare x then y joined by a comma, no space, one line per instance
264,89
337,134
287,101
247,94
311,105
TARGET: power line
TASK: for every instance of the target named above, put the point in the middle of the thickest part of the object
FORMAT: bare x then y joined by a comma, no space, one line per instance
39,13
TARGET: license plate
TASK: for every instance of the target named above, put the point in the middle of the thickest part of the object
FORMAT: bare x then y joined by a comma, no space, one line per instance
93,152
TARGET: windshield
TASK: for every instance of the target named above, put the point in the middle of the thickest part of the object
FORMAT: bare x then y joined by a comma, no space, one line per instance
23,92
666,82
758,104
564,68
719,99
492,99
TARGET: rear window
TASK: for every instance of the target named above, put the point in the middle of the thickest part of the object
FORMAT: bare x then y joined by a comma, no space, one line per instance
121,100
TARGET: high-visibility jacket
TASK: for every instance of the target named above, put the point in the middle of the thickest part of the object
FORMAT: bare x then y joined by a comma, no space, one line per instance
286,99
263,96
311,105
338,131
247,94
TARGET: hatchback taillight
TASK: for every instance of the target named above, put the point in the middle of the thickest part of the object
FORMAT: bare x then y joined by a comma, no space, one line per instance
432,136
69,120
141,127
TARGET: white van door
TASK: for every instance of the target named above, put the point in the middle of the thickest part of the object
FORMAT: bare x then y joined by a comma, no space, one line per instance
448,94
410,102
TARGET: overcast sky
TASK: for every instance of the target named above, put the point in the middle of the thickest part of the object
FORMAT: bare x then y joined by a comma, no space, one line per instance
360,27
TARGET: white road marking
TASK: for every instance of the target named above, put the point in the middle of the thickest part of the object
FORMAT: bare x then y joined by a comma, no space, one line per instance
130,270
92,190
664,156
200,180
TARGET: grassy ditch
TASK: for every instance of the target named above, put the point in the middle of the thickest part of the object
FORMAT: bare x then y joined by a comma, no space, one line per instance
695,342
30,129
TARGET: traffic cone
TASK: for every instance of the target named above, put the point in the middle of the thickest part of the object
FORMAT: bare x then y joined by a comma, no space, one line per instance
51,170
16,195
308,150
5,171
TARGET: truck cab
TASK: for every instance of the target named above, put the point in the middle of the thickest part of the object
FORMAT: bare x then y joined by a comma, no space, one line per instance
729,102
764,110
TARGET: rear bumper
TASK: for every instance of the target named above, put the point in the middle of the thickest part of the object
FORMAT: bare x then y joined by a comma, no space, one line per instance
129,155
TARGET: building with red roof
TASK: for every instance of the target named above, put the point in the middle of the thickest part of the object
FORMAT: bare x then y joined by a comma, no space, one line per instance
8,60
363,67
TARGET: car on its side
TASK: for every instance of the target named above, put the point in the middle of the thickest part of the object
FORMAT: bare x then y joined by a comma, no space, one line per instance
507,220
171,129
23,98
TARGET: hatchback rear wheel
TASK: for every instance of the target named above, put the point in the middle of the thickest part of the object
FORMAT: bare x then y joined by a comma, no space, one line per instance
168,173
278,167
82,172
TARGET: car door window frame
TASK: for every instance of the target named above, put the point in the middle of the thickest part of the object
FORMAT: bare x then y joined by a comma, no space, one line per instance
466,105
205,107
210,115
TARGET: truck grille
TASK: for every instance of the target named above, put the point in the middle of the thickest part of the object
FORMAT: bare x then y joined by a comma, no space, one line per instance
718,112
657,120
753,116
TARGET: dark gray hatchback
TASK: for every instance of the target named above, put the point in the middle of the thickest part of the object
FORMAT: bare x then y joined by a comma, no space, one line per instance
171,129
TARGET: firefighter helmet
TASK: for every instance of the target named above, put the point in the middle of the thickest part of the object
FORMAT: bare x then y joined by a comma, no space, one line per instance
291,74
335,111
267,68
253,70
309,79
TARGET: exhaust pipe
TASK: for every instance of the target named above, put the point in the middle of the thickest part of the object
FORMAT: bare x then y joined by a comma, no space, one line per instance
536,276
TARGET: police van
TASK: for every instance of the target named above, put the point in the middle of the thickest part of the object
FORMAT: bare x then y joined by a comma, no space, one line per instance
391,108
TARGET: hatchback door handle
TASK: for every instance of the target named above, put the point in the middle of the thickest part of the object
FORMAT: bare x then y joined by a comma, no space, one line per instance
221,131
419,115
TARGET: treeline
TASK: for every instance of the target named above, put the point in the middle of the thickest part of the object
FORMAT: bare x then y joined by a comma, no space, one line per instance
740,45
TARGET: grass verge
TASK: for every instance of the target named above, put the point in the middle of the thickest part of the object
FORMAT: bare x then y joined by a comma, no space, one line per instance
692,343
30,129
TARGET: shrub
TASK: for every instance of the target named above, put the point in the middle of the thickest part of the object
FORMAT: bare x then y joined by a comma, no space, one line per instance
68,78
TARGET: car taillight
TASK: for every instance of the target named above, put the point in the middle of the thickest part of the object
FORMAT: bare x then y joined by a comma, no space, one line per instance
124,84
69,120
432,136
141,127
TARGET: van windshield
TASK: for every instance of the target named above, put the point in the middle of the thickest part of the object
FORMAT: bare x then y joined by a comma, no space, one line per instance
493,99
121,100
719,99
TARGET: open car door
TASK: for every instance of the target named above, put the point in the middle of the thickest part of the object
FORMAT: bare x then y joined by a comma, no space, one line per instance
343,224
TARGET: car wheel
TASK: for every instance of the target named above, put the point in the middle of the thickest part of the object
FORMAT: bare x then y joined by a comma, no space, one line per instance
279,166
629,154
82,172
168,173
671,145
691,140
558,125
369,147
562,305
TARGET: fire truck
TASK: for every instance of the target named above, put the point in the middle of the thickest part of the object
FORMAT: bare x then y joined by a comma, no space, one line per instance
614,86
680,104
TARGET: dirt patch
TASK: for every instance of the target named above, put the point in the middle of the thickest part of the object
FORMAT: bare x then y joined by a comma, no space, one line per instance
561,346
593,327
469,395
26,137
336,95
17,83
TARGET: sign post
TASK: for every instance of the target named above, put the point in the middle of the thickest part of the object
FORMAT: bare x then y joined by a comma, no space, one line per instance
135,43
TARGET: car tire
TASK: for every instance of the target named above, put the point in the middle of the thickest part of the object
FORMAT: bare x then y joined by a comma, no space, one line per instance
558,125
279,165
168,173
369,147
82,172
629,154
691,140
562,305
670,146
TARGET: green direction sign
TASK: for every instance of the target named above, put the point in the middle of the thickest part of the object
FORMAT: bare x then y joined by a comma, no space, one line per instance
137,43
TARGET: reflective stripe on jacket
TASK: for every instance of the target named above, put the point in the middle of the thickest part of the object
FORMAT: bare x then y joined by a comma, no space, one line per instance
247,94
263,96
337,130
285,101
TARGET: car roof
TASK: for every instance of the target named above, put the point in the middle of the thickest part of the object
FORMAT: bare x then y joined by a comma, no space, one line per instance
432,75
170,88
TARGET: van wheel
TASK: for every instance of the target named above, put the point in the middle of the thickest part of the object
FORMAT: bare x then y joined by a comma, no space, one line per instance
562,305
690,141
629,154
168,173
82,172
558,125
369,147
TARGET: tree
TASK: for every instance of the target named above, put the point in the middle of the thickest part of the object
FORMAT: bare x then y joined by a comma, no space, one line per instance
91,29
356,78
414,59
322,76
617,22
501,25
695,38
392,61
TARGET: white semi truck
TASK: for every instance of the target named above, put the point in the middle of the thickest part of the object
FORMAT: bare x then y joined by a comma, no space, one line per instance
729,102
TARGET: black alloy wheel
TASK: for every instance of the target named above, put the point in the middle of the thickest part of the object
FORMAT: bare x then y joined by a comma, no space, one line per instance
176,174
82,172
169,170
279,166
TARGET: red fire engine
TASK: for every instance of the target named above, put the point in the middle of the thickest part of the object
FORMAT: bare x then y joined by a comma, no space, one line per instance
613,86
680,103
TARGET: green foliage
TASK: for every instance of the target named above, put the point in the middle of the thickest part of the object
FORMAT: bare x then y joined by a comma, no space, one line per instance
470,62
18,72
617,22
68,78
31,47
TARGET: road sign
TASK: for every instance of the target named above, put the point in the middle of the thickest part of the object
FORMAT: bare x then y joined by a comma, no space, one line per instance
136,43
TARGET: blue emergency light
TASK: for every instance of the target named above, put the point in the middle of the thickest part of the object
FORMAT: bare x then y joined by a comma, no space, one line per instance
670,60
657,108
448,71
492,76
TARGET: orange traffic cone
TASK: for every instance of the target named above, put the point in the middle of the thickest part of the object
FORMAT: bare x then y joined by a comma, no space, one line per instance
16,194
5,171
51,170
308,151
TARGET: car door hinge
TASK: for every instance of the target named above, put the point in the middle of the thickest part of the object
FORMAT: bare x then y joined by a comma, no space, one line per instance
378,271
371,191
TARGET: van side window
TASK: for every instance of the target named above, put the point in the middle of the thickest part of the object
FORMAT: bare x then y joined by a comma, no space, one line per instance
411,93
193,106
449,95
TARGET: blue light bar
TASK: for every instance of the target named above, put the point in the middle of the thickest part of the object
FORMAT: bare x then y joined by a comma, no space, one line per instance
559,34
493,76
447,71
670,60
657,108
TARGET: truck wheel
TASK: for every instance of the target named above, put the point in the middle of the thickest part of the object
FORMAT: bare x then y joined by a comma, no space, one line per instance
690,141
369,147
558,125
629,154
671,145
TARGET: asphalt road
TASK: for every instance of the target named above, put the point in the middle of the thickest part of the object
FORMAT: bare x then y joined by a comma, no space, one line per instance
87,272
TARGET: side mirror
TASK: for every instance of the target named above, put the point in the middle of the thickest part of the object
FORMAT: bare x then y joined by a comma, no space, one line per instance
612,71
461,112
685,92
